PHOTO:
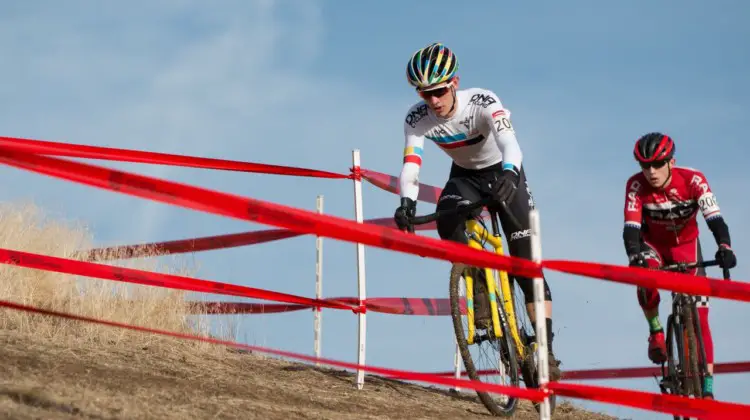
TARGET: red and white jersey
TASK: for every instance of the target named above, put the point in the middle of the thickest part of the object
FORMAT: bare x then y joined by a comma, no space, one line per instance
667,216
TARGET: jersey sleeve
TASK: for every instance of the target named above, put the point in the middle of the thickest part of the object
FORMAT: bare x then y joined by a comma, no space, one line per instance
701,192
498,118
412,162
633,204
631,231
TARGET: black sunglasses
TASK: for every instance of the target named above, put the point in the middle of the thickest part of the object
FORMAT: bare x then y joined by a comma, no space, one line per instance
656,165
434,92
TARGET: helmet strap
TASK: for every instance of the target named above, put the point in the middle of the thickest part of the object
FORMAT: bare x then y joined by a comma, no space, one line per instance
669,177
453,92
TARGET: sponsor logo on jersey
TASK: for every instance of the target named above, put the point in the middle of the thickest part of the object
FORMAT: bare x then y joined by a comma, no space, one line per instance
671,210
482,100
466,122
520,234
413,118
700,182
632,202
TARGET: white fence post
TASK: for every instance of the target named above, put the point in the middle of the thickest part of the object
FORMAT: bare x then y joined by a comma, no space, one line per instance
457,365
360,270
540,314
317,327
457,359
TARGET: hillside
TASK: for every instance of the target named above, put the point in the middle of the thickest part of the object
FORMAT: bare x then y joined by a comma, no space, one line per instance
55,369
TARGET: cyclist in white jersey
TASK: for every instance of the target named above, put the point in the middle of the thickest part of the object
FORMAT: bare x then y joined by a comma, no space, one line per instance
474,129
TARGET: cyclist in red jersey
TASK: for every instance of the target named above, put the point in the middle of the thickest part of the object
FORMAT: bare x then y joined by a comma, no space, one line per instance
661,207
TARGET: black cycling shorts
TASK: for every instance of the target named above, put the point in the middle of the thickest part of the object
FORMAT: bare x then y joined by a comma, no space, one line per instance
472,185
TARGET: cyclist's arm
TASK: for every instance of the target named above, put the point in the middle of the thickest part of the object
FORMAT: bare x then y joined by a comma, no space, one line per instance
502,130
412,162
710,208
631,232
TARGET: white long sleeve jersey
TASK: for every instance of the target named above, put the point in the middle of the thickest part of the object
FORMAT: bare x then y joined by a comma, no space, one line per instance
478,135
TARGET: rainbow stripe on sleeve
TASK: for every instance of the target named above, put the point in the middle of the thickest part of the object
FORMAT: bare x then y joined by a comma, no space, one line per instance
413,155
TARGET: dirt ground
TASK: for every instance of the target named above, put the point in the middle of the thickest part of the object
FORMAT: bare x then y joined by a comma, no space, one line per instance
41,379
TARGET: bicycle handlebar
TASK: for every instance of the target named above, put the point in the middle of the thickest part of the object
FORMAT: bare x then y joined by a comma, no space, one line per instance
686,266
462,209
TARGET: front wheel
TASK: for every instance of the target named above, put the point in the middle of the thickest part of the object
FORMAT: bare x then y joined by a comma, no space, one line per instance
530,362
673,381
500,353
694,373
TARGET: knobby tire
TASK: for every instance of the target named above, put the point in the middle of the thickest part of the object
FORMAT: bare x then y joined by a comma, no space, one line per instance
677,384
694,377
685,375
701,354
508,347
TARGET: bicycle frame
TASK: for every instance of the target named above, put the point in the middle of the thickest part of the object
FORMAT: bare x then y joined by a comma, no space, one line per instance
477,234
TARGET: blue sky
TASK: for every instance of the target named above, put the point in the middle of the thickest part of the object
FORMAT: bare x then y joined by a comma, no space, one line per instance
304,83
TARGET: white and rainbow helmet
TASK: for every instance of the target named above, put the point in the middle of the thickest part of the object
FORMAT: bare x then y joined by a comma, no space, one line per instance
431,66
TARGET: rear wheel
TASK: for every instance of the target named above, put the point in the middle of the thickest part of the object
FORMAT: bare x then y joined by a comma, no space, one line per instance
499,353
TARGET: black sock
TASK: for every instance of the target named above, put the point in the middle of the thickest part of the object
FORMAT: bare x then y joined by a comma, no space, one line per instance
550,335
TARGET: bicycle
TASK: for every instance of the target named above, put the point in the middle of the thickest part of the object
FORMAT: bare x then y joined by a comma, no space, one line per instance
685,375
508,334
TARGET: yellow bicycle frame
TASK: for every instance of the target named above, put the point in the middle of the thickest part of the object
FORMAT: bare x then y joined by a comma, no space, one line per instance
477,235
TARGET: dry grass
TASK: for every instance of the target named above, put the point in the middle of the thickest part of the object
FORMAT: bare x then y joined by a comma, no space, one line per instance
26,228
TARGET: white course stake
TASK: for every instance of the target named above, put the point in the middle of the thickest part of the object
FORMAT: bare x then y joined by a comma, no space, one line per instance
457,359
457,365
360,270
317,327
540,314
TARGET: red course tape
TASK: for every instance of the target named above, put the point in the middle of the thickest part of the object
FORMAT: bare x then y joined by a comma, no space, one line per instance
208,243
394,306
624,373
427,193
678,282
672,404
343,229
645,372
205,243
137,156
264,212
130,275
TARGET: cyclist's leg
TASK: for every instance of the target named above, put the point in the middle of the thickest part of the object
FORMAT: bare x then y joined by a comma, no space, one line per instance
519,244
459,188
649,299
690,252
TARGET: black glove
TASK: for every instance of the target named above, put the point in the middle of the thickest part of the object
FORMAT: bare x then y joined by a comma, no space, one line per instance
638,260
725,256
504,188
407,209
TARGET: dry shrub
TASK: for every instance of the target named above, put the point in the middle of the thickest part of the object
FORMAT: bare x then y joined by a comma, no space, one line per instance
24,227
